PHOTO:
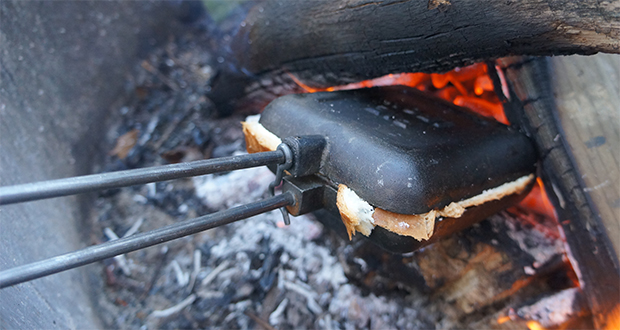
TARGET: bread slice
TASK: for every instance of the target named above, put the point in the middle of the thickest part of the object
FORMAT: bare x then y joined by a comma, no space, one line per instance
257,137
356,213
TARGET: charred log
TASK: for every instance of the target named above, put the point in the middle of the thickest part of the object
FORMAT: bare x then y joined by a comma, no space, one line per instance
498,274
328,43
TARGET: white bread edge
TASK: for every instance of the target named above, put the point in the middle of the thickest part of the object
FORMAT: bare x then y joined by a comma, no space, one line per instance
355,210
257,137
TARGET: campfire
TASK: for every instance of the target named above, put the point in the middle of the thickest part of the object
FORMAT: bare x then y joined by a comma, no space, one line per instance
472,87
521,291
541,255
357,42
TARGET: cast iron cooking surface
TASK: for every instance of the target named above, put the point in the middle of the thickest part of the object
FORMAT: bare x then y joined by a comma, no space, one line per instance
401,150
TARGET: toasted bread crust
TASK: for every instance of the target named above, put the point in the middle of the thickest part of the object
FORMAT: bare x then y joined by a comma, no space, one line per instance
418,226
356,214
258,138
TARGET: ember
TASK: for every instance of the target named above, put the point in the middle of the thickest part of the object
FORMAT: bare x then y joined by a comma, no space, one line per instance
534,325
512,270
302,282
253,272
469,87
613,318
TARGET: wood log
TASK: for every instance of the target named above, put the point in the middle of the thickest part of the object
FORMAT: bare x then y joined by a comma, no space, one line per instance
533,107
326,43
586,91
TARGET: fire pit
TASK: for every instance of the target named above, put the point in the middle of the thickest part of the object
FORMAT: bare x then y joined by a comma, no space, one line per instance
504,272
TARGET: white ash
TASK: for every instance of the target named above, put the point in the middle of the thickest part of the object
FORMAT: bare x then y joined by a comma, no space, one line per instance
566,306
174,309
218,268
371,311
237,187
182,277
536,243
290,277
274,318
309,275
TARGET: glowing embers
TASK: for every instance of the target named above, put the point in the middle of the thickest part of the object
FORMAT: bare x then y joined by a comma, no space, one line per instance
470,87
613,318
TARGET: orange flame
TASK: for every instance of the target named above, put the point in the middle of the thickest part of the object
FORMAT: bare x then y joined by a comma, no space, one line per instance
504,319
305,87
538,201
534,325
470,87
613,319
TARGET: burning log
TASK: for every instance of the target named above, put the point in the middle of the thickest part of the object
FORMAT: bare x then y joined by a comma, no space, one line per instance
327,43
483,277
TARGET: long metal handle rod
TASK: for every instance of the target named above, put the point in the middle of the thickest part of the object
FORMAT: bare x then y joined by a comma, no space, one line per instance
81,184
110,249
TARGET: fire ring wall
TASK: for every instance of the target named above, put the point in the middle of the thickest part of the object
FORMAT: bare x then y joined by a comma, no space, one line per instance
62,64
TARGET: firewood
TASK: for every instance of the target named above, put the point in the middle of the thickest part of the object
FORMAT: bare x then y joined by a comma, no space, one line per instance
327,43
533,106
479,275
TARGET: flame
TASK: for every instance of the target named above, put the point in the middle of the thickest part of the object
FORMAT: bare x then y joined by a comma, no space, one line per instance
504,319
539,212
538,201
534,325
613,319
470,87
305,87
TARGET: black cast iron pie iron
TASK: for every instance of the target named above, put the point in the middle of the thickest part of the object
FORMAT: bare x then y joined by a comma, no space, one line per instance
397,165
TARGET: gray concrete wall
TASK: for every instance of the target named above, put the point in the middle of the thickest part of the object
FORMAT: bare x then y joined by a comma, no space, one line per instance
62,64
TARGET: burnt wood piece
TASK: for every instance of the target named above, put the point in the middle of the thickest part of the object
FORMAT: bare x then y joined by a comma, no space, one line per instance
474,277
532,106
326,43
